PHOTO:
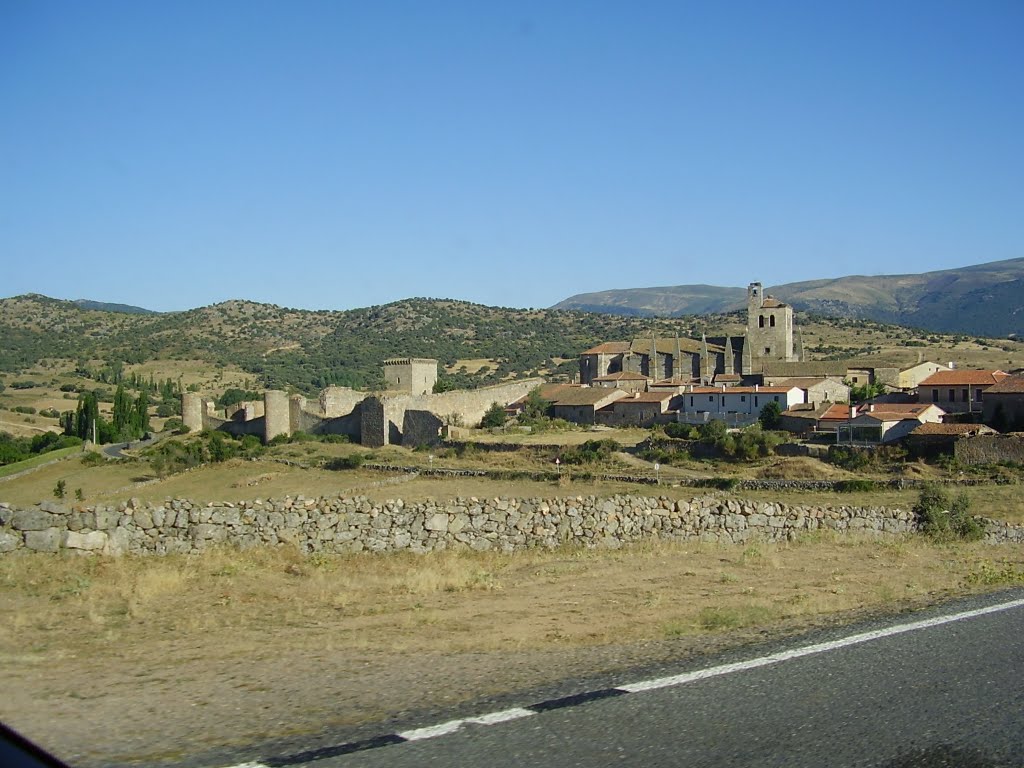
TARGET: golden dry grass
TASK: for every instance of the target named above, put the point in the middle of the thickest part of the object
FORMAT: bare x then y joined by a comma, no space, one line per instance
67,607
230,647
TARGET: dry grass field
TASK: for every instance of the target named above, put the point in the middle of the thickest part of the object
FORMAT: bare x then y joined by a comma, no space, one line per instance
226,647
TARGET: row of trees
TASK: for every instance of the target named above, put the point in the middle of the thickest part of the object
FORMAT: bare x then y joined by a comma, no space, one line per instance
129,420
13,449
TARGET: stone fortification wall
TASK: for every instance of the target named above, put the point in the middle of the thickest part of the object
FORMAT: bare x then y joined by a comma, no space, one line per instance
469,405
256,427
990,449
343,525
277,414
383,417
245,411
339,401
192,411
374,420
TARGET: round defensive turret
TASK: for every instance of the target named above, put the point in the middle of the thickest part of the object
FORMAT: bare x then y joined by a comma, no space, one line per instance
192,411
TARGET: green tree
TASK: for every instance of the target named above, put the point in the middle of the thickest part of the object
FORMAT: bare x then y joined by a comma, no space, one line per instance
58,489
495,416
535,407
945,519
122,413
87,417
770,415
712,431
140,415
861,392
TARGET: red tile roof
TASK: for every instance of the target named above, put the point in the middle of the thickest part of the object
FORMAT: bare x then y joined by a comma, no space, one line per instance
838,412
964,377
609,348
896,411
1009,385
588,396
932,428
645,397
771,302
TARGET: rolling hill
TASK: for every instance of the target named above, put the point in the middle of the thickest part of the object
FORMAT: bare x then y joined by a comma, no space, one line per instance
985,299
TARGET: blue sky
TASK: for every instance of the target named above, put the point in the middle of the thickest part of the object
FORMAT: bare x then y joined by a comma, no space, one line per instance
330,155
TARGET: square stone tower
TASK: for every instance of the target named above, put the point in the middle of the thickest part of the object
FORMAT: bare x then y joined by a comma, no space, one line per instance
413,375
769,328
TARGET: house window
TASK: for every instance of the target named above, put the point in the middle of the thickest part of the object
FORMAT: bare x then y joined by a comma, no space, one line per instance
935,395
771,320
776,398
855,380
711,398
755,401
767,350
760,322
743,398
966,395
952,395
977,395
723,401
691,401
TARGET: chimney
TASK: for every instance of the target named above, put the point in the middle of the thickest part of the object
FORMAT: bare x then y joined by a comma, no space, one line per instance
871,407
952,364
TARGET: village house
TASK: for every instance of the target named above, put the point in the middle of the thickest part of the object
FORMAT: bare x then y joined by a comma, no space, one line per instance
641,409
958,391
819,389
884,422
834,415
624,380
911,378
803,418
581,404
855,372
734,405
1003,404
930,438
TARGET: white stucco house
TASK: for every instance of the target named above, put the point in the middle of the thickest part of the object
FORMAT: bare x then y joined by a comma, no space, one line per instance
727,403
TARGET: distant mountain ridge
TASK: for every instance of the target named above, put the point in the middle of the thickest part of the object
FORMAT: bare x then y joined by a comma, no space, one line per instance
985,299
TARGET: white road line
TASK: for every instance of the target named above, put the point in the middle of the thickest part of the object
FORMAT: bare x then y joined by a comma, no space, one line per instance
501,717
442,729
809,650
432,731
505,715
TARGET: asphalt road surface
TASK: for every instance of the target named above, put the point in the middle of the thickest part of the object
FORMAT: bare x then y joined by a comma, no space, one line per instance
948,694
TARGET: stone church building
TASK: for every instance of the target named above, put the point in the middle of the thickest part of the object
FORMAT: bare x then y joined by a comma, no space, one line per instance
769,338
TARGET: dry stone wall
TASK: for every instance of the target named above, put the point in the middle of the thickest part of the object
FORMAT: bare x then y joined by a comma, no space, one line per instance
990,449
356,524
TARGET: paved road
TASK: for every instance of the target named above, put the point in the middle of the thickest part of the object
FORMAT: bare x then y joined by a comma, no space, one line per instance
116,450
945,695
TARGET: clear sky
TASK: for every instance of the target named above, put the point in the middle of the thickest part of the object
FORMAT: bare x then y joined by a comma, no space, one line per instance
330,155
